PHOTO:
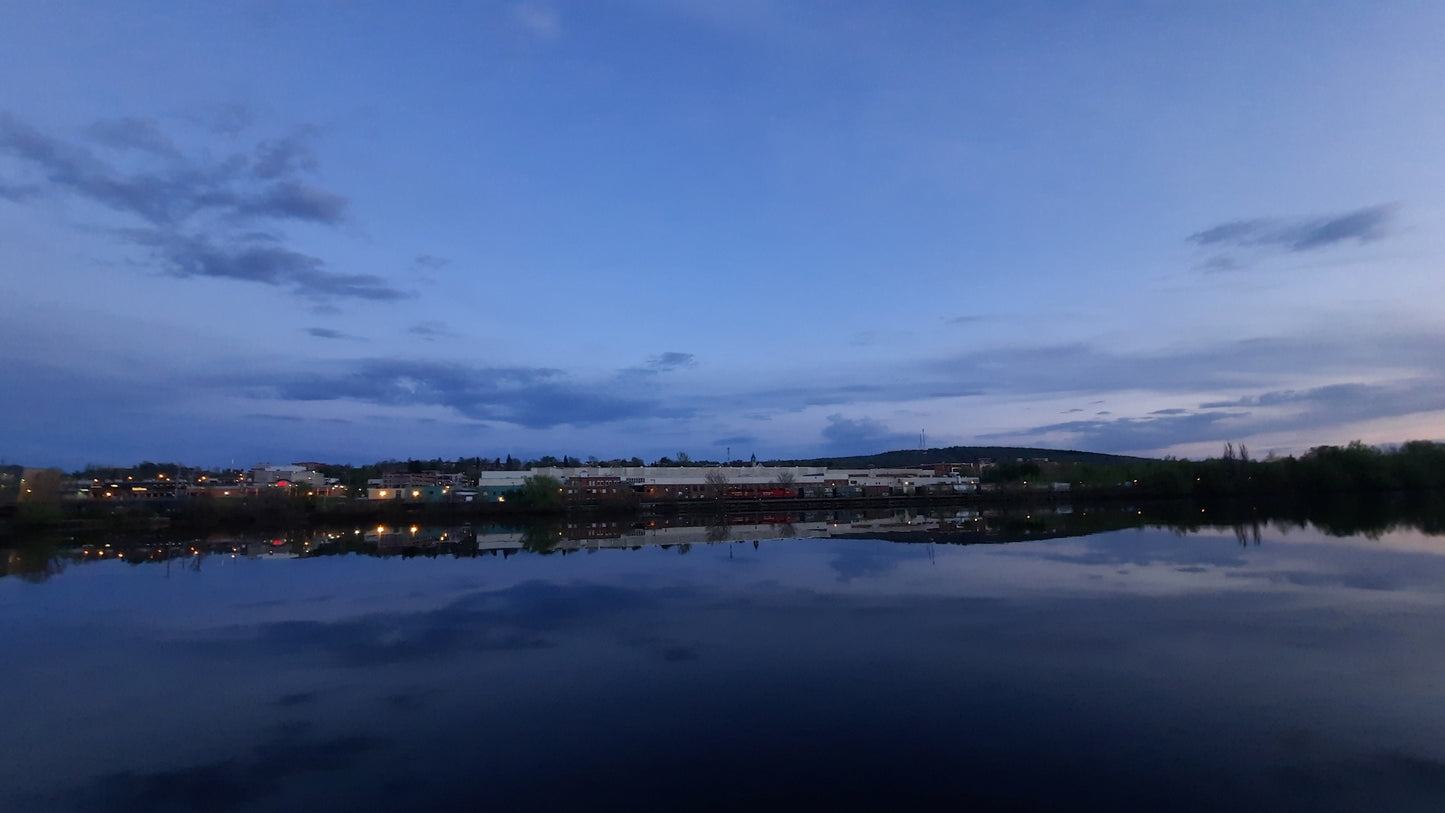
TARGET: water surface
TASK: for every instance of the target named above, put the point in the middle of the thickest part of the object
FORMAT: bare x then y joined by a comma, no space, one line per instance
1279,668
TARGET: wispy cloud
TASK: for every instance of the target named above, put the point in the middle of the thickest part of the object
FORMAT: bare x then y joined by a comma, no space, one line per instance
203,217
1283,410
19,194
852,434
533,397
672,361
132,133
284,158
431,331
540,21
256,259
1297,234
329,333
658,364
234,186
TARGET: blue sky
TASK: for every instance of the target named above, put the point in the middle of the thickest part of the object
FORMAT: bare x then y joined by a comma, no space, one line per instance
286,231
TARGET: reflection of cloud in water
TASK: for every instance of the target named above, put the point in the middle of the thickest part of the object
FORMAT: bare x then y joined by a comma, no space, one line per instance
1135,549
1358,783
852,562
298,699
229,783
519,618
1353,581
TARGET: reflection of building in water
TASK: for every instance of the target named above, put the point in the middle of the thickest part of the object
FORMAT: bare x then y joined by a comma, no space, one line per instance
682,531
408,536
602,534
732,482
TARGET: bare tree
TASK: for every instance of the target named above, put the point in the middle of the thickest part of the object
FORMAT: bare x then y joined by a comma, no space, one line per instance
717,484
786,479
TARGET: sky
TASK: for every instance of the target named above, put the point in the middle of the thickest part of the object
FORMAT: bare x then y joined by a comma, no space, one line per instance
273,231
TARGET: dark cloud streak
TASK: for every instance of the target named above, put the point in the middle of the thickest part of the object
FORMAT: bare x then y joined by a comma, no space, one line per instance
132,133
199,214
853,434
1282,410
1305,234
533,397
261,262
329,333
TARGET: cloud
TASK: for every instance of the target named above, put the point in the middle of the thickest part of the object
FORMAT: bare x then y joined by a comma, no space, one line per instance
1239,365
736,440
200,214
155,198
848,434
1280,410
1301,234
328,333
431,331
656,365
260,262
296,200
285,157
1127,434
170,196
19,194
539,21
132,133
672,361
533,397
229,119
1221,263
267,416
1337,393
424,266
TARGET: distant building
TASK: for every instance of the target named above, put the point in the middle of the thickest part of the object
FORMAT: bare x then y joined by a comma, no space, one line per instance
265,474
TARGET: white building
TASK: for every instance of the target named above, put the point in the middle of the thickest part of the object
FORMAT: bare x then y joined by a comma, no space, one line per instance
265,474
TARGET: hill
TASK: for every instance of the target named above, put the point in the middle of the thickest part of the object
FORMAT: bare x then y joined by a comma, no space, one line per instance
903,458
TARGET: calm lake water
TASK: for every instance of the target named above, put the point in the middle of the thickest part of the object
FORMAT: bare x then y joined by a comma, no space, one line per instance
1261,667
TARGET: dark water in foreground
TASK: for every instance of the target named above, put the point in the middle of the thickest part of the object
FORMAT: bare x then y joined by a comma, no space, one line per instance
1139,668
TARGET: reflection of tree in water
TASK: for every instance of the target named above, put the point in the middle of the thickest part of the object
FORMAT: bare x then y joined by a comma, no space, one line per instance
719,529
34,559
785,530
1245,534
541,537
1366,515
31,565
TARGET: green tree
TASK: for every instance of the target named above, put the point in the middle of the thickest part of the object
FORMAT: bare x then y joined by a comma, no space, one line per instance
542,492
